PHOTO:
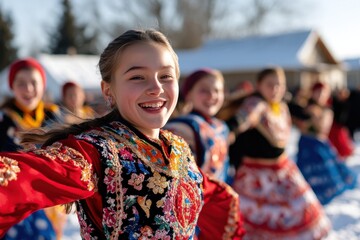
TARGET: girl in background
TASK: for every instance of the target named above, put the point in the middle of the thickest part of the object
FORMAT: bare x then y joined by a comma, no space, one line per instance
73,99
23,112
276,201
208,137
128,178
316,158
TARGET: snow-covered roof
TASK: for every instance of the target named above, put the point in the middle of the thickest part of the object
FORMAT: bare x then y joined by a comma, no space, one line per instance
352,63
250,53
59,69
82,69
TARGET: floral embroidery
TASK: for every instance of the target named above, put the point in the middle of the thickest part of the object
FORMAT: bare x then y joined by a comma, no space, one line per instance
146,232
64,153
145,204
146,185
9,170
136,181
157,183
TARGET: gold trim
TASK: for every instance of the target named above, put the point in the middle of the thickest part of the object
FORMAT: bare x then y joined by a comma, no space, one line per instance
64,153
9,171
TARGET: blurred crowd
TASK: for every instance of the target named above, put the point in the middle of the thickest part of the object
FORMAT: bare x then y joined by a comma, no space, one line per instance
238,139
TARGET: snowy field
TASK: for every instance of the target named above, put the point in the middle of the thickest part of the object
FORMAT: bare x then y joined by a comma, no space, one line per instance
343,211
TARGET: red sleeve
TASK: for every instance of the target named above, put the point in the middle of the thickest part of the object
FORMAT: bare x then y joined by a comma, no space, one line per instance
220,217
36,179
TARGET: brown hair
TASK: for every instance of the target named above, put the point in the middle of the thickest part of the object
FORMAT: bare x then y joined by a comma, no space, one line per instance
231,105
107,64
269,71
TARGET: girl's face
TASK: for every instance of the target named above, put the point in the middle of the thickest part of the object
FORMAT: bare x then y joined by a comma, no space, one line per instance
145,86
28,88
321,95
272,87
74,98
207,95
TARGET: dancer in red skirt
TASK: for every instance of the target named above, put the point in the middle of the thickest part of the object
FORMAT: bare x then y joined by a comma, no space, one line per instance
276,201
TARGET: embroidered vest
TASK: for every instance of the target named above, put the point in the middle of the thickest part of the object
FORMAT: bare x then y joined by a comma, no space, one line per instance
212,143
148,191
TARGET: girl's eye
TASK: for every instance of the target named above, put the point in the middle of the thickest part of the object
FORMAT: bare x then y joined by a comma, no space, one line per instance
203,90
137,78
167,76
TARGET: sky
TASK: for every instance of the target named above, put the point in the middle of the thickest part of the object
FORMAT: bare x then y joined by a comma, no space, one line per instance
337,22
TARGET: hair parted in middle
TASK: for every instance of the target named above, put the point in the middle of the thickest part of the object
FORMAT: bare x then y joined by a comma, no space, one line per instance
108,63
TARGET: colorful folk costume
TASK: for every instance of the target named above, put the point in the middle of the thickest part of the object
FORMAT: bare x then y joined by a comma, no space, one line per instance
276,201
211,142
125,185
319,163
13,119
220,217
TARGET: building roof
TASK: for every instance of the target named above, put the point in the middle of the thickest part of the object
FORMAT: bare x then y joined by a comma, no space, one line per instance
288,50
82,69
352,63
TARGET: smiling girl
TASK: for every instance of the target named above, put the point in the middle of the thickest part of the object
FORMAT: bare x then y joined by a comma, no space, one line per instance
128,178
23,112
276,201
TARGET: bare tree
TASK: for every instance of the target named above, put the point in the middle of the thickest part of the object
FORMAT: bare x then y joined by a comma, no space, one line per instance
188,22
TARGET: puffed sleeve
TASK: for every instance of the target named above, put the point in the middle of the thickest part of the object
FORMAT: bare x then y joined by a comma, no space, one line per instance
220,217
247,115
57,174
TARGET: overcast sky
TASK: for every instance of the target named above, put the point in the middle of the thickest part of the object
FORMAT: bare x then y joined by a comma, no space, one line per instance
337,22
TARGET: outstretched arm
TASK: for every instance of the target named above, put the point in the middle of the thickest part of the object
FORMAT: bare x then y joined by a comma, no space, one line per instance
40,178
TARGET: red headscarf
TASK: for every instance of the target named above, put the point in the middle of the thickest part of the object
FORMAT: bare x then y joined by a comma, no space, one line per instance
67,85
23,64
318,85
193,78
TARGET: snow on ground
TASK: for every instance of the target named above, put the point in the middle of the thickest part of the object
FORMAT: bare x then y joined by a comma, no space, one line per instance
343,211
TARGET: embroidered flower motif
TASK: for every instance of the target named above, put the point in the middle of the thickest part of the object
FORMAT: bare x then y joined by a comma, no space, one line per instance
145,205
109,217
157,183
125,154
136,181
162,234
146,232
9,170
85,228
110,183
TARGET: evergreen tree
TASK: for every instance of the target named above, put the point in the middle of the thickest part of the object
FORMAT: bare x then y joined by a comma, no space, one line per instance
8,53
70,36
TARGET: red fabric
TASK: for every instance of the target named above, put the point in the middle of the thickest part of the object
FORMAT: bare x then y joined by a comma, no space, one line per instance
317,85
340,138
68,85
214,216
25,63
44,182
193,78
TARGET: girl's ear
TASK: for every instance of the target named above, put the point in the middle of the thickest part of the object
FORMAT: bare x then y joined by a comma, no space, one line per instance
106,90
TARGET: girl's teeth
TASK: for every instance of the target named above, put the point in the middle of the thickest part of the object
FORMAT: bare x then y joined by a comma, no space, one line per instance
155,105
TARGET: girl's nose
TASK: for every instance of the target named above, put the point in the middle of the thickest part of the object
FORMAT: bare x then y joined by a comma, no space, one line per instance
155,87
29,87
